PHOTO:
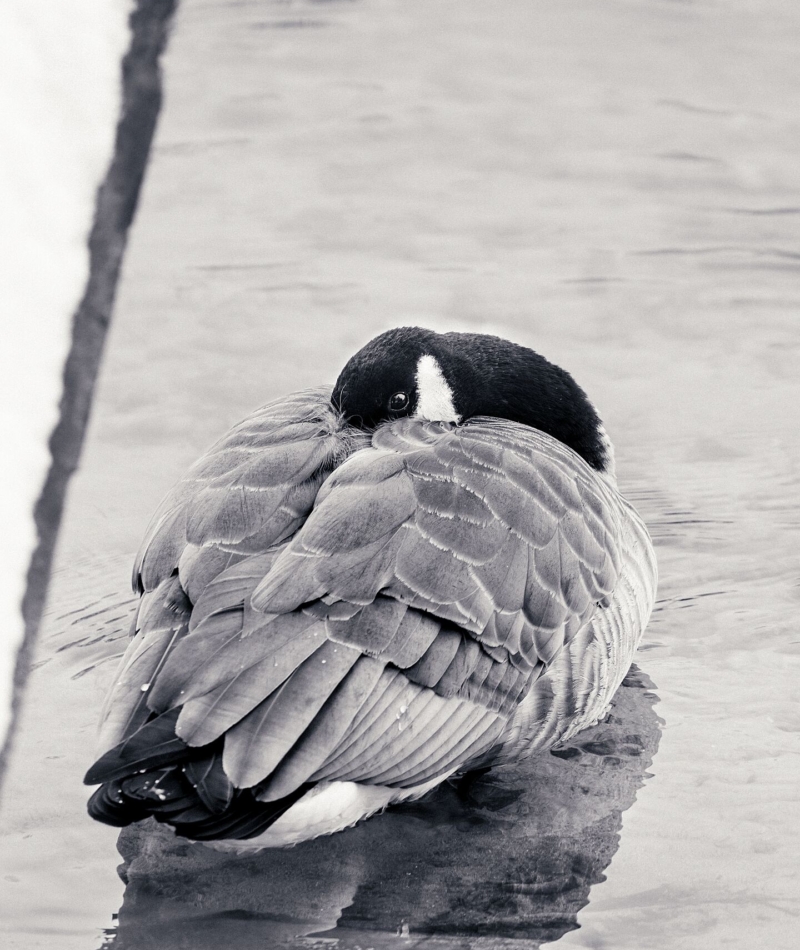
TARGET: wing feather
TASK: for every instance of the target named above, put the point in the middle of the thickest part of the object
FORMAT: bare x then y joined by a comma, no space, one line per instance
389,682
378,746
259,741
361,514
475,543
431,733
429,724
433,572
433,664
475,738
152,744
232,588
372,731
199,566
253,488
546,554
460,668
208,777
325,732
440,494
205,717
161,622
372,630
414,636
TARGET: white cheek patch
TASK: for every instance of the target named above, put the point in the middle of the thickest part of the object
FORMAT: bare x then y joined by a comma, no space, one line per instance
609,462
434,395
608,450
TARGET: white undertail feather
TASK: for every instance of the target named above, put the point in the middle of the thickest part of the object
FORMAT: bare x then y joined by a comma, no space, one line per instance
326,808
434,395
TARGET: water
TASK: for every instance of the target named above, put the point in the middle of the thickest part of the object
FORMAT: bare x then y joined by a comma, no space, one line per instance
614,184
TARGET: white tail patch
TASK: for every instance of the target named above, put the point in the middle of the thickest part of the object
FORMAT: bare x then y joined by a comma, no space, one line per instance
326,808
434,395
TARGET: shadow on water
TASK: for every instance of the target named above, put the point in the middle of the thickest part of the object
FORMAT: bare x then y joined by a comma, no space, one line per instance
505,856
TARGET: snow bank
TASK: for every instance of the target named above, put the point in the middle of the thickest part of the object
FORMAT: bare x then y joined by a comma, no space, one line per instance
59,96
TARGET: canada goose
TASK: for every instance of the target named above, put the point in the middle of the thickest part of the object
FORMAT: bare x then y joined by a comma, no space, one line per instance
359,593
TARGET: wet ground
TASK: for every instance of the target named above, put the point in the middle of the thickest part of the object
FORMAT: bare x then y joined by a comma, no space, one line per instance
614,184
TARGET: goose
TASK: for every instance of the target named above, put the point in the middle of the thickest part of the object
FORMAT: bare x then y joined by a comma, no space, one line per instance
361,592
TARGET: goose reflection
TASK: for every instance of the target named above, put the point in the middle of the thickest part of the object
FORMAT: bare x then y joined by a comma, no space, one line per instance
509,854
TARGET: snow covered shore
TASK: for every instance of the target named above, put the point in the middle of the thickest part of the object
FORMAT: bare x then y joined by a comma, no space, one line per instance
60,98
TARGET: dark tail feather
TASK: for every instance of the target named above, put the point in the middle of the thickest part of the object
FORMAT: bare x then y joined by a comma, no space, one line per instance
169,795
153,744
209,780
245,818
109,805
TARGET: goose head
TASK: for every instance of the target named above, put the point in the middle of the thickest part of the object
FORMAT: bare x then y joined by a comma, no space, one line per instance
451,377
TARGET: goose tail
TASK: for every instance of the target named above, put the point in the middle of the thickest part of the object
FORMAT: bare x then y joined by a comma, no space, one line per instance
169,795
183,786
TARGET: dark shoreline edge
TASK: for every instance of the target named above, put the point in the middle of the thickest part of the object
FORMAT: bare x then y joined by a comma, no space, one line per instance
115,207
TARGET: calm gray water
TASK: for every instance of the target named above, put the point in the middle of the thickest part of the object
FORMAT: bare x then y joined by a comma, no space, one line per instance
614,184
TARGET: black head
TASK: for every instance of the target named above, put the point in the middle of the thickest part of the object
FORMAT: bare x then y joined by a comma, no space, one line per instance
381,382
451,377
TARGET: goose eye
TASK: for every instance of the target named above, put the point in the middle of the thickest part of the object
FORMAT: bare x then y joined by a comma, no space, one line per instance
398,402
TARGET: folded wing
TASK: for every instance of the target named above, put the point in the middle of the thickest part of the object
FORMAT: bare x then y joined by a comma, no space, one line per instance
249,492
235,507
492,526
